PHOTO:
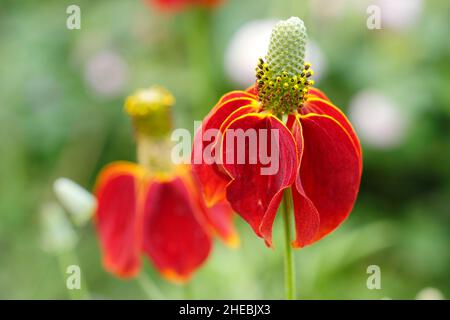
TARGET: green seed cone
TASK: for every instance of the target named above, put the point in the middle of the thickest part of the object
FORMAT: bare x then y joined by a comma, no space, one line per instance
287,47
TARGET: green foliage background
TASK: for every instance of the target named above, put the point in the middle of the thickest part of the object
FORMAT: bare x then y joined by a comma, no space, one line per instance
52,124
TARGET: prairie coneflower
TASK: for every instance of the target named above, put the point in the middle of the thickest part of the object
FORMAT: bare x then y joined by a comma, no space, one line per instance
153,207
318,153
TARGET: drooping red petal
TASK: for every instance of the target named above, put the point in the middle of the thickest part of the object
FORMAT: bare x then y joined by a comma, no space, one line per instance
218,217
117,217
329,171
203,156
178,5
169,5
321,106
261,156
227,106
251,108
174,237
233,95
314,92
252,89
212,184
307,219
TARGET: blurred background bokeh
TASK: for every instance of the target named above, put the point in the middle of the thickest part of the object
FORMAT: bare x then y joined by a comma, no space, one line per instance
61,115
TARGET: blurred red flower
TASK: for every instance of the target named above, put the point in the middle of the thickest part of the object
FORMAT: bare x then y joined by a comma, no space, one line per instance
178,5
158,213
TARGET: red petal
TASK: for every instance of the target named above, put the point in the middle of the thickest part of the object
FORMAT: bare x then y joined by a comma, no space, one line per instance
233,95
320,106
174,238
169,5
314,92
238,113
210,178
212,184
219,217
253,194
329,171
117,217
307,218
253,90
225,107
179,5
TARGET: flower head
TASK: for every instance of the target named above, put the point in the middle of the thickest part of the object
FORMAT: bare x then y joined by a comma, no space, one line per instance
281,134
154,209
283,79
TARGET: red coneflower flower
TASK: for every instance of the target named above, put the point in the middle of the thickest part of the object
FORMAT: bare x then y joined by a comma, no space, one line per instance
155,208
177,5
318,153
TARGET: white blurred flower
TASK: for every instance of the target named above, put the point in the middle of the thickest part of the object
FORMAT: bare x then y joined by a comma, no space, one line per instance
79,202
378,121
106,74
430,294
317,59
250,42
58,235
399,14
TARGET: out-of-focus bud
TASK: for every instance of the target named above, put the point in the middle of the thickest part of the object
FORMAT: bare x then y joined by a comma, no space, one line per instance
151,112
58,235
79,202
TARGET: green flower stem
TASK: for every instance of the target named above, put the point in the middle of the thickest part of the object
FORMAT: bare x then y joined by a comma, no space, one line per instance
149,287
288,259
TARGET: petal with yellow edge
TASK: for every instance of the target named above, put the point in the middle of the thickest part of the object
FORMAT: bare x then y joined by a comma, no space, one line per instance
261,167
235,94
306,217
329,171
314,92
117,217
218,218
203,156
252,89
321,106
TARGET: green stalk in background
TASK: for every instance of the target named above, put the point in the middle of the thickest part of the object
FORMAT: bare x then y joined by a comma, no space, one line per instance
196,25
